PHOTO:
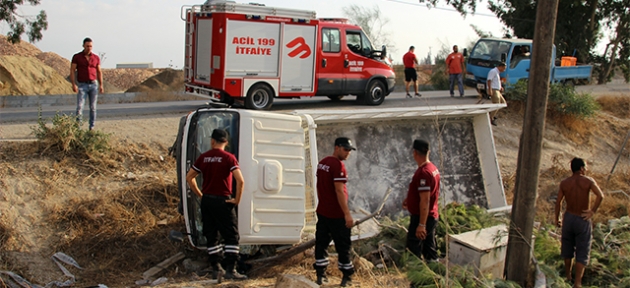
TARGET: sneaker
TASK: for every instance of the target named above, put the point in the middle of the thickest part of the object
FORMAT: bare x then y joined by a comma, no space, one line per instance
418,95
234,275
452,95
409,95
461,95
346,281
493,122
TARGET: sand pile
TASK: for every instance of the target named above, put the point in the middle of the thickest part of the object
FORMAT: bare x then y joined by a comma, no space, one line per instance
21,75
169,80
60,64
20,49
125,78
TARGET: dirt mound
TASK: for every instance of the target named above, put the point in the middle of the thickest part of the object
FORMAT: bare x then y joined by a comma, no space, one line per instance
125,78
168,80
60,64
20,49
28,76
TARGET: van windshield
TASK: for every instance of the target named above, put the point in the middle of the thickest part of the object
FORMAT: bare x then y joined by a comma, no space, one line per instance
198,142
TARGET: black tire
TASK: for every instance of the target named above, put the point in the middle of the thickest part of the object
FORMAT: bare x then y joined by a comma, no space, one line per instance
568,83
335,98
227,99
375,93
259,97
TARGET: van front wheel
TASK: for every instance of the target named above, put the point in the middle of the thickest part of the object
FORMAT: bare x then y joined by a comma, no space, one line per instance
259,97
375,94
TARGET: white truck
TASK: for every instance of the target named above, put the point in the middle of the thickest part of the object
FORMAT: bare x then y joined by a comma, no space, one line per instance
278,153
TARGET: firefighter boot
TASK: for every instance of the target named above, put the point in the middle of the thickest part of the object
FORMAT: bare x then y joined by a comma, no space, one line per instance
321,275
217,272
346,281
232,273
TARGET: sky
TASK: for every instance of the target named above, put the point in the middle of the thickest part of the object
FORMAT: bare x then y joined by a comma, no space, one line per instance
152,31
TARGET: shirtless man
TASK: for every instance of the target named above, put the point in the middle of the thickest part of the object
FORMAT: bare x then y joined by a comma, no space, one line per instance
576,222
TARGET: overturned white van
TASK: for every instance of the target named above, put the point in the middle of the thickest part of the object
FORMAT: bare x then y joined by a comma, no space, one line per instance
277,153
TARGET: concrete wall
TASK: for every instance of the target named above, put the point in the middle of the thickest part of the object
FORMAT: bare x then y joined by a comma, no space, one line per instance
384,159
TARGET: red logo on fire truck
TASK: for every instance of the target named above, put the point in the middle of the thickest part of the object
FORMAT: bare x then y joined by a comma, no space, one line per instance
300,48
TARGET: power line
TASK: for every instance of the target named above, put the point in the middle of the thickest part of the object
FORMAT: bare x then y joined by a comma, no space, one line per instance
440,8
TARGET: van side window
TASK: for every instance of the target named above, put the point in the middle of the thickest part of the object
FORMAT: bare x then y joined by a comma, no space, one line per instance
330,40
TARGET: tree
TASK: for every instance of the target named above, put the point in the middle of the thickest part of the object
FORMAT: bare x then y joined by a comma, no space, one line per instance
20,23
372,22
617,18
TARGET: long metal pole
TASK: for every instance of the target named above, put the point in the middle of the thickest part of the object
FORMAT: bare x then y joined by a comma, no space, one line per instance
519,249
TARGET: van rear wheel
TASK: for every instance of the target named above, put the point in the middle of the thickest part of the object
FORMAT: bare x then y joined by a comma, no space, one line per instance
259,97
375,93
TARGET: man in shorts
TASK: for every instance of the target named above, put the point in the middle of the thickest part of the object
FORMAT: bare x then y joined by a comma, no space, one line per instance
576,221
410,61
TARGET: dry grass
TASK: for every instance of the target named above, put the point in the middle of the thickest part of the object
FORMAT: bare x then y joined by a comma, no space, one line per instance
616,105
122,234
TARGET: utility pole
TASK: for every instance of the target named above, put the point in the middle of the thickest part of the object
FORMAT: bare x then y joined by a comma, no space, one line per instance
520,248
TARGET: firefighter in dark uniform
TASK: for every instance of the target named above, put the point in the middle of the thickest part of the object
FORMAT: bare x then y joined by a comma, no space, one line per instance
217,205
333,216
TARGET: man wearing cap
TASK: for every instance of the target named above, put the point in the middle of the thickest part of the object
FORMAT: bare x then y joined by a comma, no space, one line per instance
421,201
217,205
333,216
494,88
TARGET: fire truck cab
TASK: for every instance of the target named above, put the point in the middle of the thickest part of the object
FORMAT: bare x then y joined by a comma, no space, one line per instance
252,53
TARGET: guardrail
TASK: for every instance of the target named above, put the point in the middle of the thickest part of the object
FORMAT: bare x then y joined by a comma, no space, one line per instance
63,100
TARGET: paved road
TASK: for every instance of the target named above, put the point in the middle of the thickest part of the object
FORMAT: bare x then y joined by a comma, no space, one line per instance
397,99
133,110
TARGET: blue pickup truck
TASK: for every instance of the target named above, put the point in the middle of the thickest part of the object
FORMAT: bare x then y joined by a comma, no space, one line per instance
489,52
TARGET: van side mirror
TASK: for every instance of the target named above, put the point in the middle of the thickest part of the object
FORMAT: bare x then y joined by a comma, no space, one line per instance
465,52
383,51
503,57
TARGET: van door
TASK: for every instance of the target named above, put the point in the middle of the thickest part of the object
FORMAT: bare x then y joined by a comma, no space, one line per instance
330,79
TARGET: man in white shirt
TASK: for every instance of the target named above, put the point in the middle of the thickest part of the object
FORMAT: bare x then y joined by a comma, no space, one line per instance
494,88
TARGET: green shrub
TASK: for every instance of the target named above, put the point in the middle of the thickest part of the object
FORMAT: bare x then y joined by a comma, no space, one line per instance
66,136
563,99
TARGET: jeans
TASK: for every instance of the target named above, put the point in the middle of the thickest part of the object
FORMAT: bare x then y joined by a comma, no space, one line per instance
87,90
460,83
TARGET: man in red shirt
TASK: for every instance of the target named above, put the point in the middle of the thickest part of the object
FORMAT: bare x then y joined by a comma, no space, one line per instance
333,215
422,203
217,205
87,66
455,68
410,61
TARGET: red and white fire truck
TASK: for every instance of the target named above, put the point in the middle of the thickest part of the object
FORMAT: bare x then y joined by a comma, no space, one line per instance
253,53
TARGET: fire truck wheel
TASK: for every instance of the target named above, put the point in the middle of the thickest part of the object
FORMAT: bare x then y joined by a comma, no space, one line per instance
335,98
375,94
259,97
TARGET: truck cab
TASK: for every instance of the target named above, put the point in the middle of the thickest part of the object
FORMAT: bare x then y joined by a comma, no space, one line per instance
516,53
253,54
